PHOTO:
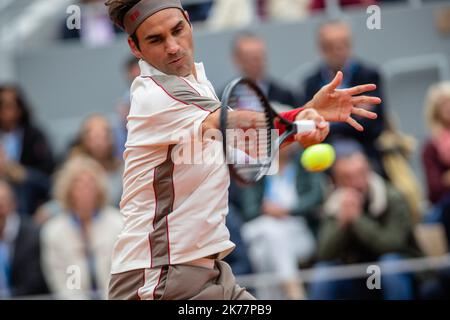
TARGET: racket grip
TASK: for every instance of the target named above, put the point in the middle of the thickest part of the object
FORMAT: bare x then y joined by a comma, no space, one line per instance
305,126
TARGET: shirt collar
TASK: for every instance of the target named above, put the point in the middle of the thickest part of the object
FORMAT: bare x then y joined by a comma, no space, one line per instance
149,70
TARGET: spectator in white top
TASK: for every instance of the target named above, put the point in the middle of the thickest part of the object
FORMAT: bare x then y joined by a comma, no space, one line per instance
78,242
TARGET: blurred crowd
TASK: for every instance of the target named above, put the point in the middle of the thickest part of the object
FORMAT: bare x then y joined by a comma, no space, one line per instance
59,217
213,14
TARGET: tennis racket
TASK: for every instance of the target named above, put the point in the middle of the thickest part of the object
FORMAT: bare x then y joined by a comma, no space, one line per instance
250,140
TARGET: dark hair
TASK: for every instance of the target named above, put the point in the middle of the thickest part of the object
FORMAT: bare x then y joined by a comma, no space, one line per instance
25,117
117,9
135,40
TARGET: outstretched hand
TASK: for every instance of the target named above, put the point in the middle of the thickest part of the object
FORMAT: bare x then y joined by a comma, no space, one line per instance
341,104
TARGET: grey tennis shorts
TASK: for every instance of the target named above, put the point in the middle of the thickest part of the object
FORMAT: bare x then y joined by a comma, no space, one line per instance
181,282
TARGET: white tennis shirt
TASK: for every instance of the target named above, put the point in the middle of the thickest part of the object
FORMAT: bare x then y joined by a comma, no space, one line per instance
173,212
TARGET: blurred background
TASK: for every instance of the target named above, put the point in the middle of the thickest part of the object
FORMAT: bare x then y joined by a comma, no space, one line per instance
65,73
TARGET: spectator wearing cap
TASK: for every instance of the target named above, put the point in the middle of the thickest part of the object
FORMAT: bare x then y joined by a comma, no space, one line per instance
365,219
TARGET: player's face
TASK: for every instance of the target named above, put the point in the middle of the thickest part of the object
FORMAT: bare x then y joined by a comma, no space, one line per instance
165,41
335,45
352,172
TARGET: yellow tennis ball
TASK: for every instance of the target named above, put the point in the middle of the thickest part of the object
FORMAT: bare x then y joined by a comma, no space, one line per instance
318,157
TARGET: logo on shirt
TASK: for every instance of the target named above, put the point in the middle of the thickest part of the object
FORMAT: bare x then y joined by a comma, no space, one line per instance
135,15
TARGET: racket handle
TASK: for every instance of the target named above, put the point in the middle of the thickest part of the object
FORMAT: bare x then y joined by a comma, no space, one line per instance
305,126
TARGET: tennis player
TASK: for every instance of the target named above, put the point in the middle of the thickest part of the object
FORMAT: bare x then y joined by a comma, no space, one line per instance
175,236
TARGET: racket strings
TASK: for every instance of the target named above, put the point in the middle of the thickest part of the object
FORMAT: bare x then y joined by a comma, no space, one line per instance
249,132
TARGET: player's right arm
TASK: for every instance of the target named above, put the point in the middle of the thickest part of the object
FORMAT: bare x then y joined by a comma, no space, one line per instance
212,121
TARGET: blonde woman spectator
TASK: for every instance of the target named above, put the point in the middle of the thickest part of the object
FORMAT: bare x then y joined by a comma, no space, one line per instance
436,152
78,242
96,140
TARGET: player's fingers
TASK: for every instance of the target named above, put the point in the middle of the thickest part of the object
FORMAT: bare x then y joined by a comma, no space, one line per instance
336,82
304,135
354,124
323,132
310,114
364,113
305,139
365,100
313,137
360,89
246,119
320,122
259,120
316,117
322,125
